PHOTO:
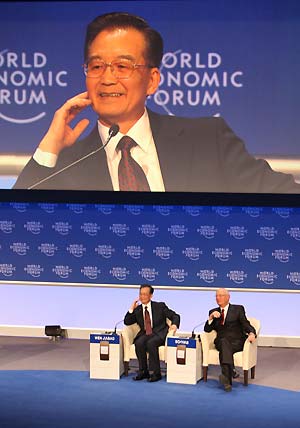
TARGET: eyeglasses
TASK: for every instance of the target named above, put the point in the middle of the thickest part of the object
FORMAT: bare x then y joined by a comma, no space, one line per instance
120,68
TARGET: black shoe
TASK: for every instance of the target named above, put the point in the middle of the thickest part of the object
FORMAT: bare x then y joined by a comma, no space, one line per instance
154,377
225,382
141,375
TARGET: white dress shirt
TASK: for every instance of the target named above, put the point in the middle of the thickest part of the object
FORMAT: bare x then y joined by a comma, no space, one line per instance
144,153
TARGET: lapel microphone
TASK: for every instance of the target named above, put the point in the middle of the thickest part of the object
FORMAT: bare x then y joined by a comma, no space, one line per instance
113,130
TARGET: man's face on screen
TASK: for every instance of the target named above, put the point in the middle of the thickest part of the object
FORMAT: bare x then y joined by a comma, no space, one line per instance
120,100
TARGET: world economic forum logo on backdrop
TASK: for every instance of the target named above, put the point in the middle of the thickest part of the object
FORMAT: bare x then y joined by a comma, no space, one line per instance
282,255
222,254
120,273
7,269
267,277
105,209
208,232
252,211
283,212
163,253
77,208
267,232
193,79
76,250
7,226
207,275
252,254
149,274
294,277
21,207
134,251
63,271
48,208
34,270
90,228
119,229
222,211
106,251
193,211
34,227
237,232
237,276
62,227
90,272
178,230
177,274
294,232
192,253
27,79
20,248
134,209
149,230
164,210
49,249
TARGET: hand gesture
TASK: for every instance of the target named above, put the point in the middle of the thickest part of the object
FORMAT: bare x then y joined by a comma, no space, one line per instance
251,337
134,304
214,314
60,134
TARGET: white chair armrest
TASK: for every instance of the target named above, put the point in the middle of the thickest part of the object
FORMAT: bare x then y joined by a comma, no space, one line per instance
128,334
249,354
207,341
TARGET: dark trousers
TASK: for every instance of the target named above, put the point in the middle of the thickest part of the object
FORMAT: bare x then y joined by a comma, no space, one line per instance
150,344
226,350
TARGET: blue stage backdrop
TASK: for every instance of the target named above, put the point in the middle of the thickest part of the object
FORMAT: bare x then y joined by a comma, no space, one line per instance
169,245
240,60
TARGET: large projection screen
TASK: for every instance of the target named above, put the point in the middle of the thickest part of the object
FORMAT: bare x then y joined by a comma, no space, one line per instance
222,59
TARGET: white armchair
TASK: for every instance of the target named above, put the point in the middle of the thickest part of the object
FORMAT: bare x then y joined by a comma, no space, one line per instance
128,334
246,359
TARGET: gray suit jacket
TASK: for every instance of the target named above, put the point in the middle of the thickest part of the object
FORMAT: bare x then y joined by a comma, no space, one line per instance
198,155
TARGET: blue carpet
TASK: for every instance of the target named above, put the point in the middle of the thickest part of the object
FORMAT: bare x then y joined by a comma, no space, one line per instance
69,399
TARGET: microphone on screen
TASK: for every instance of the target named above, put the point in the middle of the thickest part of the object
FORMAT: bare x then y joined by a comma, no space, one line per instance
113,130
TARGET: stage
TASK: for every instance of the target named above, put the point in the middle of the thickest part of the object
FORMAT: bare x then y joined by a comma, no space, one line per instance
46,384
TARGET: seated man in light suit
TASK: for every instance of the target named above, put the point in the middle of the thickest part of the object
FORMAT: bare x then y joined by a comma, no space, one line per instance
166,153
151,318
233,328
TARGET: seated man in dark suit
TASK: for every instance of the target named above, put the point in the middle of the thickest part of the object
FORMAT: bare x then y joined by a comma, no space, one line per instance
233,328
151,317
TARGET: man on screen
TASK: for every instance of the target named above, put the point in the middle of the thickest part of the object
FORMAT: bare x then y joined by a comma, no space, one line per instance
146,151
152,320
233,328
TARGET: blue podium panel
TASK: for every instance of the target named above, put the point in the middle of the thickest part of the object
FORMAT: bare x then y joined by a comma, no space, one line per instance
106,356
